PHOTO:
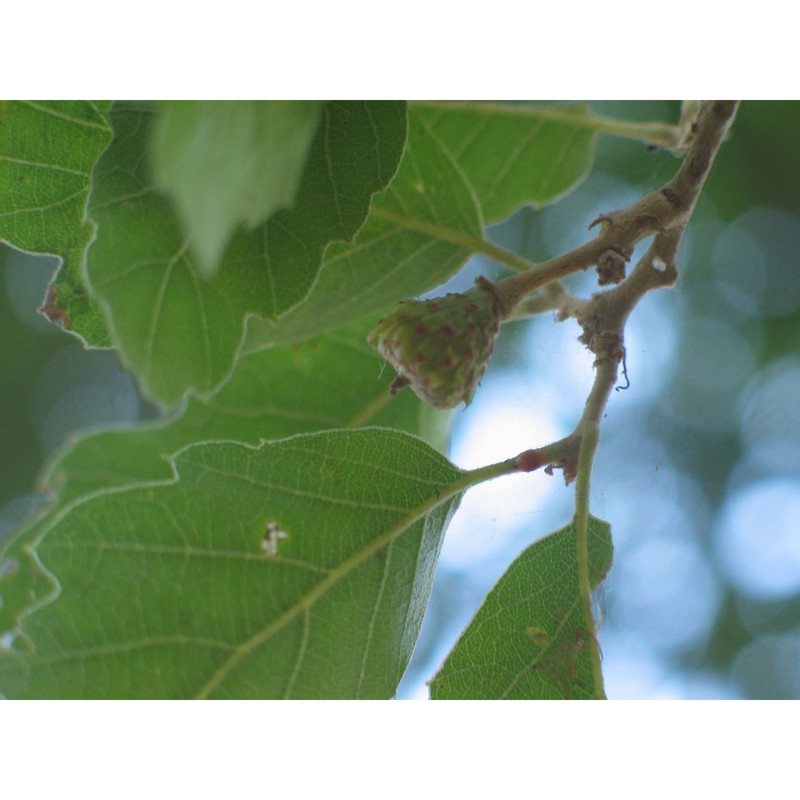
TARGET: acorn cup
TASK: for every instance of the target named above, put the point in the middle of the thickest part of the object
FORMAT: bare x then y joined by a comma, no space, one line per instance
441,347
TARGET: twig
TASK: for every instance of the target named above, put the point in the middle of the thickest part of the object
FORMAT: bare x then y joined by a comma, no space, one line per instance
604,316
661,212
591,437
551,297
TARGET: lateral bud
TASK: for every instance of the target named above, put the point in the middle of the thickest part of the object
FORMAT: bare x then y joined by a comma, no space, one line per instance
529,461
611,267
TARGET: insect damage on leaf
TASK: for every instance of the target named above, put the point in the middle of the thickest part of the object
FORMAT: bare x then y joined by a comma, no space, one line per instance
52,311
273,536
539,636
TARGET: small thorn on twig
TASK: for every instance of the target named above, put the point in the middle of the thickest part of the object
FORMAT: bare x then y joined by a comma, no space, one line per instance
601,219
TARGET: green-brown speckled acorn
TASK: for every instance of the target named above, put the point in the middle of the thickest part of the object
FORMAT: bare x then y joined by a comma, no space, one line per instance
441,347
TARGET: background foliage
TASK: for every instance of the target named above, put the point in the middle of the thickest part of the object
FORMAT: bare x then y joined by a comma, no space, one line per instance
705,433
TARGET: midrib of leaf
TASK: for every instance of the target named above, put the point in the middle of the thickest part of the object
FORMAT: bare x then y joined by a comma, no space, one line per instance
434,229
346,567
658,133
60,115
445,234
159,302
545,650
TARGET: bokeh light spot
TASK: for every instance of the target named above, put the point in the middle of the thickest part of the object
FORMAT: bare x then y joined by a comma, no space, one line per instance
76,390
769,667
769,406
664,590
758,538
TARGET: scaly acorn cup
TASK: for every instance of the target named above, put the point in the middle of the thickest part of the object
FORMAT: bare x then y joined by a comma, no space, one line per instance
441,347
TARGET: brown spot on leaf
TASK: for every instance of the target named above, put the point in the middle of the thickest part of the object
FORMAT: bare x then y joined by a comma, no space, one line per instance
52,311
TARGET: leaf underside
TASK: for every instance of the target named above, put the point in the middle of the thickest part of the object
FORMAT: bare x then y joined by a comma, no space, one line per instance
529,641
47,152
227,164
177,330
515,155
177,590
388,262
298,567
463,167
272,394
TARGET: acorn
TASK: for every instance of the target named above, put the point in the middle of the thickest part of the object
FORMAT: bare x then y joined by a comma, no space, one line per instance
441,347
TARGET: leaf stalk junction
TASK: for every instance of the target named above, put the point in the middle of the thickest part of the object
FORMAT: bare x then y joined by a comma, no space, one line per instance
664,215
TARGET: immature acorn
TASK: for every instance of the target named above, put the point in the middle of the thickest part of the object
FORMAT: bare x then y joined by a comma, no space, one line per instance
441,347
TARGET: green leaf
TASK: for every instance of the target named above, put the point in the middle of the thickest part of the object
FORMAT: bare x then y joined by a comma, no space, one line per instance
464,166
529,640
515,155
177,330
47,153
300,568
230,163
418,234
23,583
333,381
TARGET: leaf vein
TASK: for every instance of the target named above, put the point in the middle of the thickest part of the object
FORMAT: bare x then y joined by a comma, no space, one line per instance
67,117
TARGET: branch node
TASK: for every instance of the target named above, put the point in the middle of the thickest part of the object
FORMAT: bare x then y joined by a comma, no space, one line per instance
611,266
651,222
672,197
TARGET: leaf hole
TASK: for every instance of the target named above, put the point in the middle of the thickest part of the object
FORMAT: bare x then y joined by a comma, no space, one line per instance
274,534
